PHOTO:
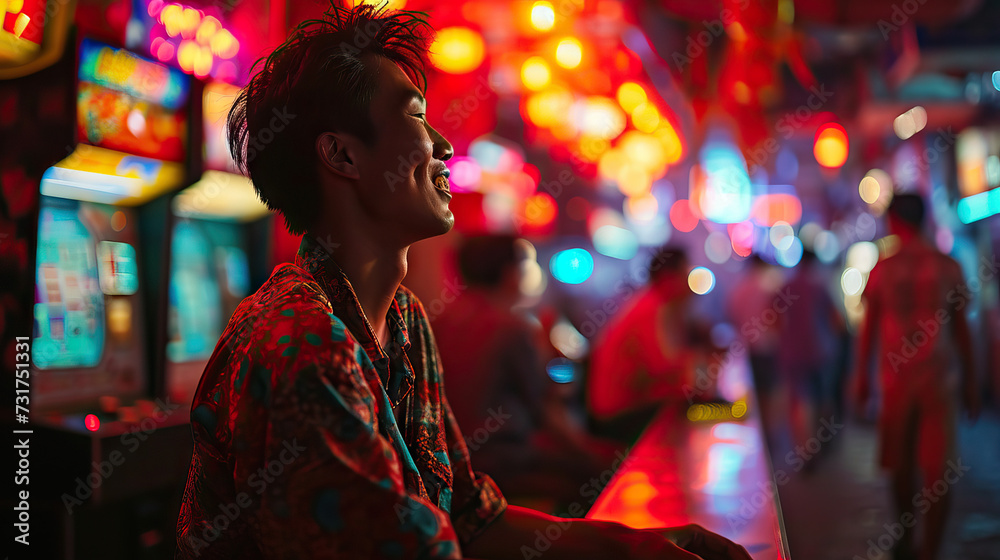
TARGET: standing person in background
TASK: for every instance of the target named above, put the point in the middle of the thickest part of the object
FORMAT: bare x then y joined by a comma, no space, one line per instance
752,296
810,331
920,329
516,423
642,360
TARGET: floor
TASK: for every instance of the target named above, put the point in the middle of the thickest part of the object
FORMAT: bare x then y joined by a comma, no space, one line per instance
836,505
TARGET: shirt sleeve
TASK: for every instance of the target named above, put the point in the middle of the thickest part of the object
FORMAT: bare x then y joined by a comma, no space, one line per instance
327,483
476,499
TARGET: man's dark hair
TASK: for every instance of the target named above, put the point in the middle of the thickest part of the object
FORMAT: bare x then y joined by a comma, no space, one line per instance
908,208
666,260
483,260
316,82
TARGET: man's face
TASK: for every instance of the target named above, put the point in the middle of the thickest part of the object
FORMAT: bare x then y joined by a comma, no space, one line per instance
403,176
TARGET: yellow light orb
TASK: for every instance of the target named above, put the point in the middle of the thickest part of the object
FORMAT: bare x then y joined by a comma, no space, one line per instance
389,4
549,107
535,73
831,145
569,53
209,27
223,44
172,17
673,148
187,54
644,150
457,50
543,17
631,95
646,117
611,163
633,180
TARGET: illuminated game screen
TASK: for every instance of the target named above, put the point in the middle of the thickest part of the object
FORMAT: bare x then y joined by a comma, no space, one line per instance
87,323
209,276
130,104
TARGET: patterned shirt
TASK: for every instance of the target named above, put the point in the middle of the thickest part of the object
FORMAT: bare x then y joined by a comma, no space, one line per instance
314,441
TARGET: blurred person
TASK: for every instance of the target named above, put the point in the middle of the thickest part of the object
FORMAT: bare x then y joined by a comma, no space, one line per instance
749,305
321,426
913,315
517,422
810,330
642,360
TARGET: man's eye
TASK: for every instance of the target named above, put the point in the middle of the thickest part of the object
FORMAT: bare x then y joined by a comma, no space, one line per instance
418,115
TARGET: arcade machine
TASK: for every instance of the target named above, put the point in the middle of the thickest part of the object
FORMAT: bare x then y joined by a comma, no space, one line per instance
113,461
218,255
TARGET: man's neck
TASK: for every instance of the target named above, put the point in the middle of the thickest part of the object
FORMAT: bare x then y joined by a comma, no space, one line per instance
374,270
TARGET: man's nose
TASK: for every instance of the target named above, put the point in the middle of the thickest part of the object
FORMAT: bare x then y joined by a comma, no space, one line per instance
443,149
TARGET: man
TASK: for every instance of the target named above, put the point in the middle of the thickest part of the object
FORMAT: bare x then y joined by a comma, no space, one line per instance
921,328
642,359
518,424
321,426
810,331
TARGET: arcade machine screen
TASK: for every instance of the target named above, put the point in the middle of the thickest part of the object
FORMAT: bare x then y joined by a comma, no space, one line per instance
88,329
209,263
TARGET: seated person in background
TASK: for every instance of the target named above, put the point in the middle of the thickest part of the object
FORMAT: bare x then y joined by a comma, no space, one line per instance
516,421
321,427
642,360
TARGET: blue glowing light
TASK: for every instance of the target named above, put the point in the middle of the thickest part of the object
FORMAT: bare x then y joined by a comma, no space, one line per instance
572,266
979,206
790,256
561,370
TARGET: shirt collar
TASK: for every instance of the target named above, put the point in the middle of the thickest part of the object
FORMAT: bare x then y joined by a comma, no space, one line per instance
391,363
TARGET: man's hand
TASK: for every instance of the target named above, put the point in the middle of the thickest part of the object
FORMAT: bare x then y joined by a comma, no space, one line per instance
688,542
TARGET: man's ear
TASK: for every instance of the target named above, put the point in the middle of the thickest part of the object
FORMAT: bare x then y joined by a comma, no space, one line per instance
333,152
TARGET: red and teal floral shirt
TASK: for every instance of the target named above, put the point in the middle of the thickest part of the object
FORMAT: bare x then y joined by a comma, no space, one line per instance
314,441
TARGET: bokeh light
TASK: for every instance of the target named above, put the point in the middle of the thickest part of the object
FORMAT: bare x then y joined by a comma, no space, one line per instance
682,217
569,53
701,280
543,17
572,266
831,145
535,73
457,50
631,95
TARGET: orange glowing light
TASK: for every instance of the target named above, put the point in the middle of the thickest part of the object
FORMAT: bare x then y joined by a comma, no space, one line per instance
831,145
569,53
672,145
611,163
644,150
642,208
682,217
770,209
630,96
540,209
633,180
549,107
389,4
535,73
457,50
